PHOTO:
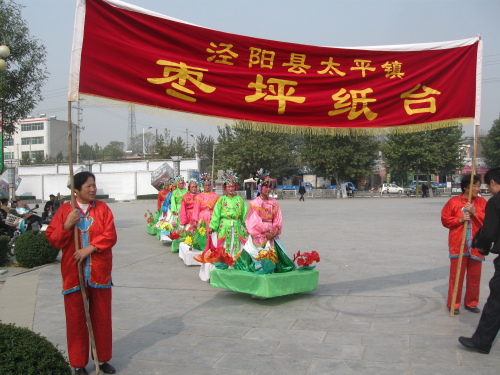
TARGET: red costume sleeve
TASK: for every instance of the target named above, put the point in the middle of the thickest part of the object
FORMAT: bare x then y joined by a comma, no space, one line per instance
55,233
451,213
183,218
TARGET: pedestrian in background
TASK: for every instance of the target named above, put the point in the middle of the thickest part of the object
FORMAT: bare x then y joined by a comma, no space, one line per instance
425,190
302,191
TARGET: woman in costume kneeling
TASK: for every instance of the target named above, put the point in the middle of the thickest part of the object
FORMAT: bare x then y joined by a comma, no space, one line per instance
263,252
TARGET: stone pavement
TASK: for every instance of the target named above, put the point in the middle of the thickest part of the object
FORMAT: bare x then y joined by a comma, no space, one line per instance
379,308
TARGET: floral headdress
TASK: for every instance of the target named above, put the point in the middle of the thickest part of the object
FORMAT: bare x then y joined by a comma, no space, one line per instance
263,177
193,181
205,179
229,177
178,179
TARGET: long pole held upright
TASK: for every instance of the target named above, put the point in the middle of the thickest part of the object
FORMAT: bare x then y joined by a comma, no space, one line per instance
77,243
464,234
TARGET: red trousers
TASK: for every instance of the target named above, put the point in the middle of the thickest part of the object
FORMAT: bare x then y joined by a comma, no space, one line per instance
77,334
473,269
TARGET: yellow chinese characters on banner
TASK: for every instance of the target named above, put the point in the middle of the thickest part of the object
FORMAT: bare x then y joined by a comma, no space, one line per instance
181,74
187,68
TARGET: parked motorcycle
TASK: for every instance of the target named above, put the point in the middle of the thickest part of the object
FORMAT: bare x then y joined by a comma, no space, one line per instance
21,223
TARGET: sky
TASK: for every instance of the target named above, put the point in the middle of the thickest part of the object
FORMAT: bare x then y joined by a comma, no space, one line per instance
314,22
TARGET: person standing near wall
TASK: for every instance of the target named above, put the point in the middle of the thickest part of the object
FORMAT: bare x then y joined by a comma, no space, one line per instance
97,235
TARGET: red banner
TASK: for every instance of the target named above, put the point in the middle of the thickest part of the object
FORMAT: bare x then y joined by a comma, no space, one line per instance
129,54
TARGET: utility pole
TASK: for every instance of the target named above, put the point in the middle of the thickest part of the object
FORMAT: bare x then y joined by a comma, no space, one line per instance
131,126
78,127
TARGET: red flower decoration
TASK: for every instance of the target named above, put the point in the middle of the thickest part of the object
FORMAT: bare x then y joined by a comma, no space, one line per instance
174,235
306,259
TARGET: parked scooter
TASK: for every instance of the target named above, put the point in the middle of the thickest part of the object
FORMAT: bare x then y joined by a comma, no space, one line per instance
22,225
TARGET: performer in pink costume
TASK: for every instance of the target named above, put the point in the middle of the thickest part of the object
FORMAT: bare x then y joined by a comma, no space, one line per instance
204,204
187,205
264,220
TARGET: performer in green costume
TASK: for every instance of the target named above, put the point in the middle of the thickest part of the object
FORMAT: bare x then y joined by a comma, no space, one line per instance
176,200
228,217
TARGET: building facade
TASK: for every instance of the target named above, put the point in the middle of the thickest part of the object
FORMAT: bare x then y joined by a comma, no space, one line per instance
37,138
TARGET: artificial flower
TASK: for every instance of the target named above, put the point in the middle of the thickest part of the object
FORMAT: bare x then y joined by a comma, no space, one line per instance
269,254
174,235
218,255
306,259
150,217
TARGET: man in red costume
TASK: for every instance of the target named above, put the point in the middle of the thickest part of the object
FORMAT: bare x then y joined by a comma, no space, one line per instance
453,215
97,235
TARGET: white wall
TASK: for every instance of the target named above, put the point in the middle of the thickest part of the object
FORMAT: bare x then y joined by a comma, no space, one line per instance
121,181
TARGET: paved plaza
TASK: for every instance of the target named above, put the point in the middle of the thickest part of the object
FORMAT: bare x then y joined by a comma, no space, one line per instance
379,307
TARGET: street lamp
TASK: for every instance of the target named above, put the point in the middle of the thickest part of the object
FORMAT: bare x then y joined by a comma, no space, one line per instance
213,163
177,164
88,163
4,53
12,178
196,155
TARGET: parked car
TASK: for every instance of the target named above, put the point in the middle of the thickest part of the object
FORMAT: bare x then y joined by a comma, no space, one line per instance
391,189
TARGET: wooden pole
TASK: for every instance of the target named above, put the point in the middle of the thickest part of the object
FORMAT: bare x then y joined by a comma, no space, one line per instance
464,234
77,243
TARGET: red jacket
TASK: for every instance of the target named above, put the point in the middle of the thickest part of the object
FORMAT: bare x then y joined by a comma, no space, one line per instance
102,235
161,198
451,213
187,206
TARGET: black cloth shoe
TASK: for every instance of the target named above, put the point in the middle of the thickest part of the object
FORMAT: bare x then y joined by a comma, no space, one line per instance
107,368
467,342
457,311
81,371
473,309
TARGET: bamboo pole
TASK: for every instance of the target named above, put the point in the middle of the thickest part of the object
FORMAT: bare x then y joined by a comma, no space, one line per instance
464,234
77,243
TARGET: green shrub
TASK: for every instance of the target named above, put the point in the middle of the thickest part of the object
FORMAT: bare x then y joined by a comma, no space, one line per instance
25,352
32,250
4,250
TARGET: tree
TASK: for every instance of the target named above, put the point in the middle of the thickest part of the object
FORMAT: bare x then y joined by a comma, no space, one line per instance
432,151
342,158
204,148
21,82
114,150
491,145
245,150
88,152
25,159
39,158
170,147
143,143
